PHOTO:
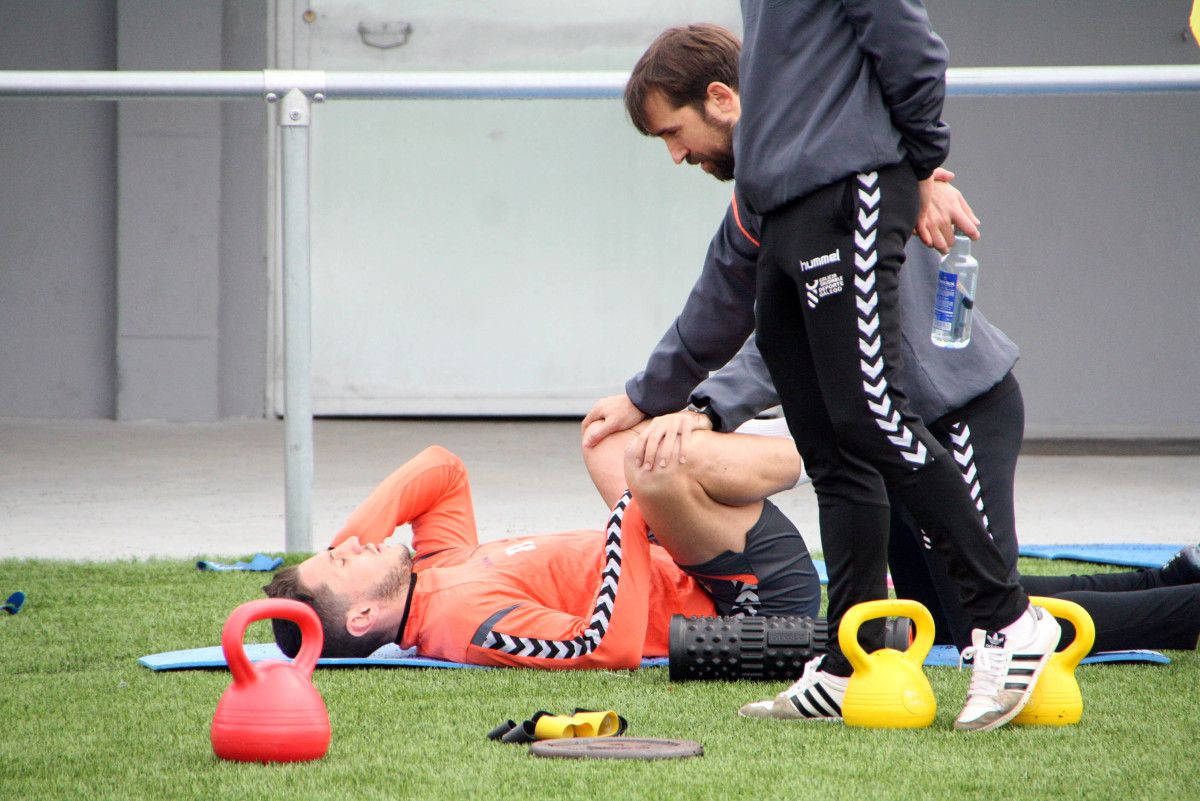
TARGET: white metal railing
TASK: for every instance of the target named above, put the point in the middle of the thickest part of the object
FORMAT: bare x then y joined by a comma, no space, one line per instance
297,89
345,85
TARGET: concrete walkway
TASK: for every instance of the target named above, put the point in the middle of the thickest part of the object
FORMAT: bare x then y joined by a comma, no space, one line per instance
108,490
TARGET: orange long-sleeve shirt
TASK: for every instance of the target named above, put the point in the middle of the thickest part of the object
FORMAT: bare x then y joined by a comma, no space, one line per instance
579,599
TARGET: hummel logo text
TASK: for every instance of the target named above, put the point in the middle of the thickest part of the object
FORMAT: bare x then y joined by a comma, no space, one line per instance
821,261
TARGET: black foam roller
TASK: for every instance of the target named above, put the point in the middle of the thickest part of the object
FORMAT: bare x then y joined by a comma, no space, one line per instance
755,648
731,648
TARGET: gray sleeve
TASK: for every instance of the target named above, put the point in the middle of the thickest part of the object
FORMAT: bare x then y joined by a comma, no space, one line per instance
910,63
739,390
714,323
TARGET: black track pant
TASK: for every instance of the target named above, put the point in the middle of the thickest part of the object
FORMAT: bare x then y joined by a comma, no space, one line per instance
828,328
1131,609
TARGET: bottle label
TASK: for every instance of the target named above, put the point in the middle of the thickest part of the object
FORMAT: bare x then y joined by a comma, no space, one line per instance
944,306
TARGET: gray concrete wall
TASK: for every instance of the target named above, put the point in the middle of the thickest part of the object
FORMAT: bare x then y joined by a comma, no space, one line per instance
57,219
168,236
133,237
244,225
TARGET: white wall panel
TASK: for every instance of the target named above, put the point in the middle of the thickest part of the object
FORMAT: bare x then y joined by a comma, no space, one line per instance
492,257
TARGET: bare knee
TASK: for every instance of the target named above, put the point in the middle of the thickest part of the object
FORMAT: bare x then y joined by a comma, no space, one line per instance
603,457
604,465
648,485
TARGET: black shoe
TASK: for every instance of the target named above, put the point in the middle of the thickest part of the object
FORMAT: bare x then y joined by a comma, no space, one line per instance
1184,567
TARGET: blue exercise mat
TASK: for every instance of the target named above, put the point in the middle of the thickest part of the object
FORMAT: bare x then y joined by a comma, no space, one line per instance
1131,554
214,657
261,563
947,656
392,656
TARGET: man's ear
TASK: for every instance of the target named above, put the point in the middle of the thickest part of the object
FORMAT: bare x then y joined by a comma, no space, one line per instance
721,101
361,619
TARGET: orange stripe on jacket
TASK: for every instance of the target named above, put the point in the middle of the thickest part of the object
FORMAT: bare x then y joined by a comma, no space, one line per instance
737,218
747,578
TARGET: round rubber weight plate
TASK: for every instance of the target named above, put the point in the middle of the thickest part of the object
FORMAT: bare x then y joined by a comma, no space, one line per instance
616,748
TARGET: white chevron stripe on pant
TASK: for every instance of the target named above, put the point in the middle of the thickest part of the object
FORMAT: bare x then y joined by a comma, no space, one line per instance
964,456
871,362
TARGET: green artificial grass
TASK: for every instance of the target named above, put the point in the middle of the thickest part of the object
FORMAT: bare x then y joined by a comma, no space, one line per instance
82,720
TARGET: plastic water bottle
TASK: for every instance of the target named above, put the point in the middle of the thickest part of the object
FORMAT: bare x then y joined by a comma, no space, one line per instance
958,274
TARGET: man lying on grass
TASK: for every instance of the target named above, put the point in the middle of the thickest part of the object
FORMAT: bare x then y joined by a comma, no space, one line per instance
582,599
592,599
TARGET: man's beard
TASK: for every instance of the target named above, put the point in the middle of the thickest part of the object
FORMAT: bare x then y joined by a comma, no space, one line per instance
722,164
722,168
396,581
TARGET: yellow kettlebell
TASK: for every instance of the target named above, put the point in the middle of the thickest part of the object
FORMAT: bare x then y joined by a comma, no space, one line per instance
1056,699
889,689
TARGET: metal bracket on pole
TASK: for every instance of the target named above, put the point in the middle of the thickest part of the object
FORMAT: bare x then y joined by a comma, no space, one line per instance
295,109
294,118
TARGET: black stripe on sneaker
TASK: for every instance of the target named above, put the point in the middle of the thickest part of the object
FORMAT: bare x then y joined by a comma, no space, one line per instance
831,703
816,702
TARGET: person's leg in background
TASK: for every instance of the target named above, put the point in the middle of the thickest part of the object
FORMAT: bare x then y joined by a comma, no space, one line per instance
984,439
1166,617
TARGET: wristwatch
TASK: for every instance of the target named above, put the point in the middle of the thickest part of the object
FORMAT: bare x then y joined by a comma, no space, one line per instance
703,408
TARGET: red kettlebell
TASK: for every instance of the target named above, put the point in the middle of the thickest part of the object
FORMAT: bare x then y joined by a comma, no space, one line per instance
271,712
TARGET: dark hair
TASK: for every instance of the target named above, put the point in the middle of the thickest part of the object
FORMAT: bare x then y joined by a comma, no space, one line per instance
681,63
330,608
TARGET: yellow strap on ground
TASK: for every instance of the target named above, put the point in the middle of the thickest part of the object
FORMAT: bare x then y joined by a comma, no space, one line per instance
557,727
584,723
596,724
1194,21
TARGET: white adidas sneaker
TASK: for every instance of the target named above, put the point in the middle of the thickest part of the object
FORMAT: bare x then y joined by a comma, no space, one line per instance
816,695
1004,673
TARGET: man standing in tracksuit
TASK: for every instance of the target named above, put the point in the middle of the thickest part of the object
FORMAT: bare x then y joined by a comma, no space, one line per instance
840,125
839,131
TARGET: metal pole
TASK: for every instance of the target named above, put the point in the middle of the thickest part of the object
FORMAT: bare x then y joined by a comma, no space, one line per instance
990,81
123,84
966,82
294,115
507,85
